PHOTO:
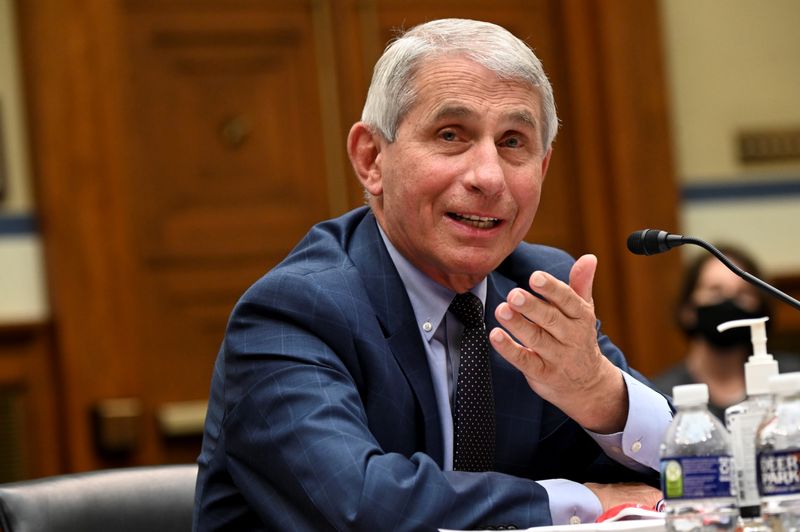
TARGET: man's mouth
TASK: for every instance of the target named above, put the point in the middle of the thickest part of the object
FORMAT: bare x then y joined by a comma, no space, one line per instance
481,222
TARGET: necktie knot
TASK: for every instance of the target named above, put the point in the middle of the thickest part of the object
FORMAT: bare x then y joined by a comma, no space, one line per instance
467,307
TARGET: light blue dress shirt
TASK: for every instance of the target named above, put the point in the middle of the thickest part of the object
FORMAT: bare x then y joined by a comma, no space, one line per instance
636,447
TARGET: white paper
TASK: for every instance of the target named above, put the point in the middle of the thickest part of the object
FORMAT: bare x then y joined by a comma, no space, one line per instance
638,525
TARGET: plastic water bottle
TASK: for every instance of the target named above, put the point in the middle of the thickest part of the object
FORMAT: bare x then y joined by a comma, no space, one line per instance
696,466
778,455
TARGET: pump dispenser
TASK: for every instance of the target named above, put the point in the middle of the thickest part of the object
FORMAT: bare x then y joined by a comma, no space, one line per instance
760,366
744,418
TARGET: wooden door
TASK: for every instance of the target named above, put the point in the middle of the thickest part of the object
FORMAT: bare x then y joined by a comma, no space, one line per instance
227,171
182,147
180,153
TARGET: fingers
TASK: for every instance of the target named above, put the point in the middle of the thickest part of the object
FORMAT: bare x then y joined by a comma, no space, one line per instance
581,280
563,296
535,323
563,313
611,495
552,340
562,319
525,360
581,277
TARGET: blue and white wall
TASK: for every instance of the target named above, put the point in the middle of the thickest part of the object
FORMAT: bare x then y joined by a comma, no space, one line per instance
22,289
734,65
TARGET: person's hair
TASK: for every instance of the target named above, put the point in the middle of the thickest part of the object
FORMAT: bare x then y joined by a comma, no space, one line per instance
691,275
391,93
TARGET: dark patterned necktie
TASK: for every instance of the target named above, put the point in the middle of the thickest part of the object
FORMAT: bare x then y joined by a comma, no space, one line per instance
474,440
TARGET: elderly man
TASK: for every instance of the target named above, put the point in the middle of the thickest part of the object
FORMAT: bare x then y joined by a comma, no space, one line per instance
361,385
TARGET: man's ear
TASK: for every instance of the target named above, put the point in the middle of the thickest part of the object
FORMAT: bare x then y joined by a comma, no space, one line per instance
364,149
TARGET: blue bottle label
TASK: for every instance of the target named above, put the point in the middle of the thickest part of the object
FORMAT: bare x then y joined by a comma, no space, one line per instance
696,477
779,472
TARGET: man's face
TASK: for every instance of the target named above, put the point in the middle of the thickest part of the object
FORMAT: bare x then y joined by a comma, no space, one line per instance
459,187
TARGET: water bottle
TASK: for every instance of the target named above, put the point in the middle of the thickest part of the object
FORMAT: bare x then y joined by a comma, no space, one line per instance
778,455
696,466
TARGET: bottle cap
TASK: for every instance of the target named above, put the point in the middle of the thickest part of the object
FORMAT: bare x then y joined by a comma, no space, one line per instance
760,366
690,394
785,383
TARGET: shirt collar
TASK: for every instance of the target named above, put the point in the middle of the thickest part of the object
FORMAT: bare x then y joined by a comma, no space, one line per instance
429,299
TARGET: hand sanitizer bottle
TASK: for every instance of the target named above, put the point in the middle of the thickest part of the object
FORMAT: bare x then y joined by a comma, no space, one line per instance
743,419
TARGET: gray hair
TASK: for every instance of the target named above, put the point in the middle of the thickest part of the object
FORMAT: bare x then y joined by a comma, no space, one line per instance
391,93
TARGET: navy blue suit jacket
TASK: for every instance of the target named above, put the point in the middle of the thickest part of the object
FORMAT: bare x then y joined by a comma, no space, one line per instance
322,414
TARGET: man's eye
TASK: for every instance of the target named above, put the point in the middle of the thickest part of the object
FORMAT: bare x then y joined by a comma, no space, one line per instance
512,142
448,135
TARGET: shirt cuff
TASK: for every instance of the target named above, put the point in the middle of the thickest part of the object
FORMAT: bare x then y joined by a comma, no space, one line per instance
571,503
649,416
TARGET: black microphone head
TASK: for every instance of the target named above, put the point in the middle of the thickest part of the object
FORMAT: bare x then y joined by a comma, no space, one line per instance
636,242
652,241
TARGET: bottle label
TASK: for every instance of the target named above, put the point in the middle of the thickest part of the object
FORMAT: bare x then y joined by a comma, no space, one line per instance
696,477
779,472
743,426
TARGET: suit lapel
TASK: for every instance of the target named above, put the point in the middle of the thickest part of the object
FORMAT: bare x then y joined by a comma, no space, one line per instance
406,345
396,316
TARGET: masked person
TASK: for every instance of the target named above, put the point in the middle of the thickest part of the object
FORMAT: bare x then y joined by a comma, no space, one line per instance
712,294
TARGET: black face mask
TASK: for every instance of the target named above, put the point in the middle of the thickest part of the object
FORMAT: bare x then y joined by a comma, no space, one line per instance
709,316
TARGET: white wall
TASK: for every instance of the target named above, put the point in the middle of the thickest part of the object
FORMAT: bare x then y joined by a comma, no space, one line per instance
18,196
22,286
734,65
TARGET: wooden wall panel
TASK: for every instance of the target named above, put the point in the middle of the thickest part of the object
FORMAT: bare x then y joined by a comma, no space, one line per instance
618,104
785,333
228,170
72,79
29,421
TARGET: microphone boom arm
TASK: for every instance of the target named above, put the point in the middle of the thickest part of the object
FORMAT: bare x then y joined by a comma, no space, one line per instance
752,279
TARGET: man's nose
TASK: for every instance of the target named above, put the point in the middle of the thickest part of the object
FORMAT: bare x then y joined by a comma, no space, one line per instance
486,172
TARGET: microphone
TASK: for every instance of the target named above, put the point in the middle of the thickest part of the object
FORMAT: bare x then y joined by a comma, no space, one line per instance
653,241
